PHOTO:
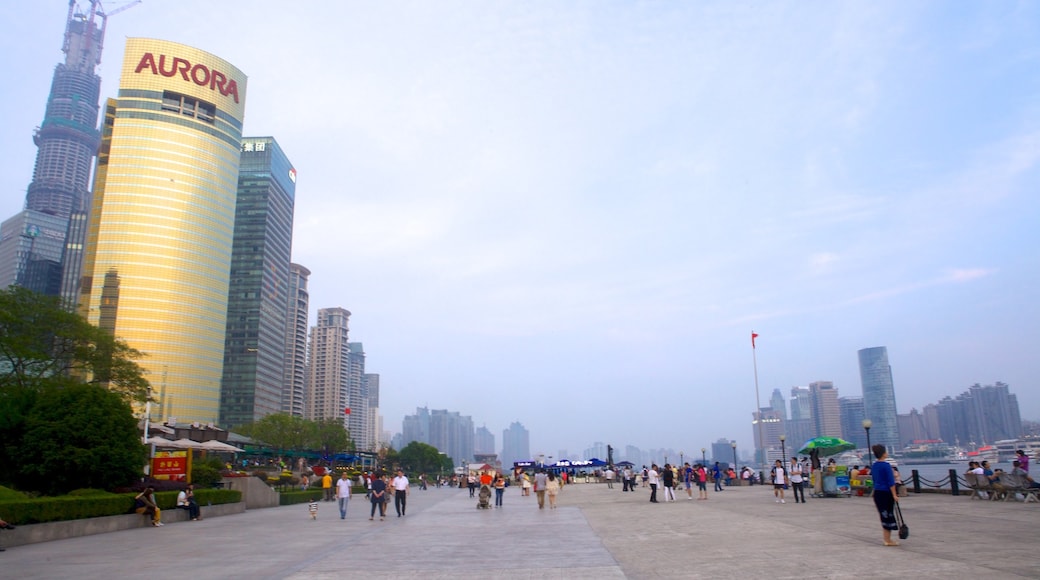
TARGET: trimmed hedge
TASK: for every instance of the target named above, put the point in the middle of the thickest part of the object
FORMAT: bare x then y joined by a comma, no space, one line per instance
299,496
56,509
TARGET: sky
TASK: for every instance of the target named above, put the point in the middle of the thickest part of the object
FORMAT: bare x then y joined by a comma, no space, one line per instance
574,214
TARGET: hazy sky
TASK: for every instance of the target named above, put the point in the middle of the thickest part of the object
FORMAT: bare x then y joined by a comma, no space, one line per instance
573,214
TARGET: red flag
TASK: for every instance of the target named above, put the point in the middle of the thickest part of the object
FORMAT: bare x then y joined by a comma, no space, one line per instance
753,337
346,411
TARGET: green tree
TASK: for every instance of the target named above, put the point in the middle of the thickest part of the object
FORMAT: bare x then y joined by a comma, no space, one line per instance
330,437
46,348
79,436
419,457
41,344
283,432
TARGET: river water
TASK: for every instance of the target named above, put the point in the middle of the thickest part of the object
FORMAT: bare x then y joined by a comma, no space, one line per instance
932,473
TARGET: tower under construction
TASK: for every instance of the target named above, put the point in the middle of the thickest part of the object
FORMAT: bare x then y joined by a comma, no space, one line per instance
36,248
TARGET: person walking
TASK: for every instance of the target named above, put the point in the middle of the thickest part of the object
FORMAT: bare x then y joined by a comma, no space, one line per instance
400,484
343,486
378,497
552,487
668,477
779,480
652,478
500,489
326,485
716,472
885,496
540,481
609,476
702,481
796,480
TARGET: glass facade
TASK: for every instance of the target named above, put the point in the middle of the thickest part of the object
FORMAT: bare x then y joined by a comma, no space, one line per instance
879,396
159,241
254,361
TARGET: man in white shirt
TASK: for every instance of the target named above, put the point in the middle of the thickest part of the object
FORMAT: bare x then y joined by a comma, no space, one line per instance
400,484
652,478
796,480
778,481
343,494
609,476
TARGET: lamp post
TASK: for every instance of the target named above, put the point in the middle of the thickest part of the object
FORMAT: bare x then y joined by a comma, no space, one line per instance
867,424
733,444
682,459
704,458
783,450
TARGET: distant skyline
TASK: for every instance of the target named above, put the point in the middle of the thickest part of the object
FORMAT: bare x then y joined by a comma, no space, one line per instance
572,215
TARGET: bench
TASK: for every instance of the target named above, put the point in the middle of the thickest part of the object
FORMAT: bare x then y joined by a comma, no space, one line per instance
981,488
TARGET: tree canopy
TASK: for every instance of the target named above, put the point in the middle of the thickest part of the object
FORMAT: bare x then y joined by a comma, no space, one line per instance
65,398
42,344
285,432
419,457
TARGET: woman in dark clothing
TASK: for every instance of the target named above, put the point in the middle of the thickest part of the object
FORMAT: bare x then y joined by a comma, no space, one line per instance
885,496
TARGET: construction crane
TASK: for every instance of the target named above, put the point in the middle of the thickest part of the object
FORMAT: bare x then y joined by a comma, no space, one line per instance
104,20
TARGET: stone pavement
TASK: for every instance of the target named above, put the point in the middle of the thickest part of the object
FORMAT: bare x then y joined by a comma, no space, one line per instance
595,533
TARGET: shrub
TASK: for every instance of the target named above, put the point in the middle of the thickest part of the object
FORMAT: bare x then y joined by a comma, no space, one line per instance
8,494
53,509
88,492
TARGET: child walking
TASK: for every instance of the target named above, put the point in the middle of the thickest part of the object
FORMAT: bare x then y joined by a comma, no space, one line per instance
313,508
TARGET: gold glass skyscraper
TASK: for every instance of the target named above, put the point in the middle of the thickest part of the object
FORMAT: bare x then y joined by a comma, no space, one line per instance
158,249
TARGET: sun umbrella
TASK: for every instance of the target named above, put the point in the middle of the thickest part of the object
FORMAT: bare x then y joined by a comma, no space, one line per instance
214,445
825,446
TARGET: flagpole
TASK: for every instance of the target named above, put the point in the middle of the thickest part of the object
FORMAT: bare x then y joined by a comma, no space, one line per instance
758,408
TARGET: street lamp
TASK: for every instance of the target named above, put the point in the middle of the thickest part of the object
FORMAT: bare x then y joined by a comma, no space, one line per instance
783,450
682,459
704,458
867,424
733,444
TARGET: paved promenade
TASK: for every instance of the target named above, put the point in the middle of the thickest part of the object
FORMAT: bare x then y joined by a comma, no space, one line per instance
594,533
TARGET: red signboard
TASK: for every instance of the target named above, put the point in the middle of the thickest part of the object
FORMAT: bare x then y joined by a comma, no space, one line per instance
169,466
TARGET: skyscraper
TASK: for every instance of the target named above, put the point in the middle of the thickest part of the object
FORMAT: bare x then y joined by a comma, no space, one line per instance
329,366
516,445
825,409
448,431
258,299
297,312
879,396
357,399
158,251
375,421
32,243
852,421
777,403
483,441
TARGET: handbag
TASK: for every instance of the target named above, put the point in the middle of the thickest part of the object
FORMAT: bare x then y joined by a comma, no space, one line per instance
904,530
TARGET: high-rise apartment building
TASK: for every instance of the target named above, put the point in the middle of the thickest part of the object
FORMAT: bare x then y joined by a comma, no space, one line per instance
516,444
32,243
722,451
912,427
357,399
258,298
979,416
852,421
329,366
375,420
448,431
879,396
826,411
777,403
296,324
157,258
483,441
